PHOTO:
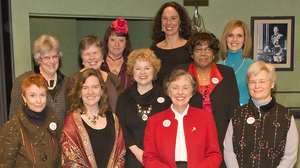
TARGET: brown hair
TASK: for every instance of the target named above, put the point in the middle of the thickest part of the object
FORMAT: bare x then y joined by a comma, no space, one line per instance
88,41
175,76
45,43
111,31
75,94
34,79
228,30
185,23
143,55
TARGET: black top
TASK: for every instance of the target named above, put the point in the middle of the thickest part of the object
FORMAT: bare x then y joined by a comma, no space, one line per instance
36,118
169,60
102,140
131,120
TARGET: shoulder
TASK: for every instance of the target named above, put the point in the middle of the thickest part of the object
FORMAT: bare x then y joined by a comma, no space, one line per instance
124,95
161,115
225,70
199,112
24,75
11,126
74,75
249,61
221,62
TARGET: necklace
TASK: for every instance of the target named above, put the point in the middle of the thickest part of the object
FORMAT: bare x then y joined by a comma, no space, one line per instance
114,71
239,67
114,59
144,113
94,118
52,83
201,78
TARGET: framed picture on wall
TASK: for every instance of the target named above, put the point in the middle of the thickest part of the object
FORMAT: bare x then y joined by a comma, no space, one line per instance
273,41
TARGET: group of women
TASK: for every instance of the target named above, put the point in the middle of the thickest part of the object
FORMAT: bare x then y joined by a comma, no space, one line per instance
167,106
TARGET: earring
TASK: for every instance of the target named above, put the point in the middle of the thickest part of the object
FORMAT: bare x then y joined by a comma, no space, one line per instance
79,96
25,103
101,93
213,57
192,56
162,29
179,28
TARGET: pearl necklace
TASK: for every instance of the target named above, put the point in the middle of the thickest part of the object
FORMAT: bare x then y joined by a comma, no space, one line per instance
239,67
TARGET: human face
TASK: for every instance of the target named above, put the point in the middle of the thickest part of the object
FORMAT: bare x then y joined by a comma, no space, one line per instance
116,45
35,98
203,56
170,21
91,92
143,73
49,62
236,39
180,92
260,86
275,30
92,57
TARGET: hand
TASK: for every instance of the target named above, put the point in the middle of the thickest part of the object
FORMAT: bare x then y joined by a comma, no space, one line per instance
138,153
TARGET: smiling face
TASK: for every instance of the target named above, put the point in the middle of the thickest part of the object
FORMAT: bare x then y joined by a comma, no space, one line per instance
203,56
143,73
92,57
49,63
260,86
116,45
91,92
170,21
35,98
180,92
236,39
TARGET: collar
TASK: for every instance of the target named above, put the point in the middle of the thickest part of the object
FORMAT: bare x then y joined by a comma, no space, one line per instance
35,133
215,75
178,115
264,110
60,76
234,56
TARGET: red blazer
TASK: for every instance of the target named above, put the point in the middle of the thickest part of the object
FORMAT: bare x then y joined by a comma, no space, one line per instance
200,136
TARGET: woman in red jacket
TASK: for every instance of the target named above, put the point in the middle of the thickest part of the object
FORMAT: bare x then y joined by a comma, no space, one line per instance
181,136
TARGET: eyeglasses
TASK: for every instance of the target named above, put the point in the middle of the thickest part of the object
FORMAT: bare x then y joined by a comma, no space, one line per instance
48,58
260,82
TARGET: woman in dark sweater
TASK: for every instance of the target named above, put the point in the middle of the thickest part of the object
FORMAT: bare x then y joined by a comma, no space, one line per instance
142,100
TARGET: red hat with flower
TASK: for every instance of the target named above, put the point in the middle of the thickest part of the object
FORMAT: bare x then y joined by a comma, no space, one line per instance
120,26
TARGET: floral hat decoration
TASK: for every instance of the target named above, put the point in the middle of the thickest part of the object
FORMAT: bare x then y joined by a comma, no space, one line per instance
120,26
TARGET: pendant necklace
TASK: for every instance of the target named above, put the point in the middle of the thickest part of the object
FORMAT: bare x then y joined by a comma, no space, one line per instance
114,71
239,67
94,118
52,83
144,113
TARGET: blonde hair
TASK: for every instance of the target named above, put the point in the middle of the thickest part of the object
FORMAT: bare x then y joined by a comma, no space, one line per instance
228,30
45,43
143,55
257,67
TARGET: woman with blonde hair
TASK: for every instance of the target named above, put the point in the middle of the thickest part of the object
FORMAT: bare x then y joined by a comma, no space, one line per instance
235,47
262,133
46,54
142,100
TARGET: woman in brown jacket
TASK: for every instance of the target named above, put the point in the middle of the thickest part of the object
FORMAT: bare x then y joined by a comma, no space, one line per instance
31,137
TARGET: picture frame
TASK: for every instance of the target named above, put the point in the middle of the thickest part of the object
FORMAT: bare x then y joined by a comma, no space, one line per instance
273,41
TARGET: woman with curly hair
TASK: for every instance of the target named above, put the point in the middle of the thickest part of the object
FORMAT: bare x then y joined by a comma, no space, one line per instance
217,83
142,100
91,136
170,31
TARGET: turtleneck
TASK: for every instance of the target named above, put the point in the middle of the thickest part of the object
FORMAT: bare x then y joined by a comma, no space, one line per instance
259,104
36,118
234,56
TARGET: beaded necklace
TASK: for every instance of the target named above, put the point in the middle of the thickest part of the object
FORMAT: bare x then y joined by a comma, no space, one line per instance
144,113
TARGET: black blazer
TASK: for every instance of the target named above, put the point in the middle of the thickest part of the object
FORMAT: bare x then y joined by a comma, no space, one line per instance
224,99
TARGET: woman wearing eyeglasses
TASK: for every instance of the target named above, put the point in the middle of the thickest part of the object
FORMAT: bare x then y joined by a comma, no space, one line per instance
261,133
46,53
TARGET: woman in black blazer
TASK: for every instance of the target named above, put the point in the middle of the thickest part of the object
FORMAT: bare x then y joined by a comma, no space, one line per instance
217,83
